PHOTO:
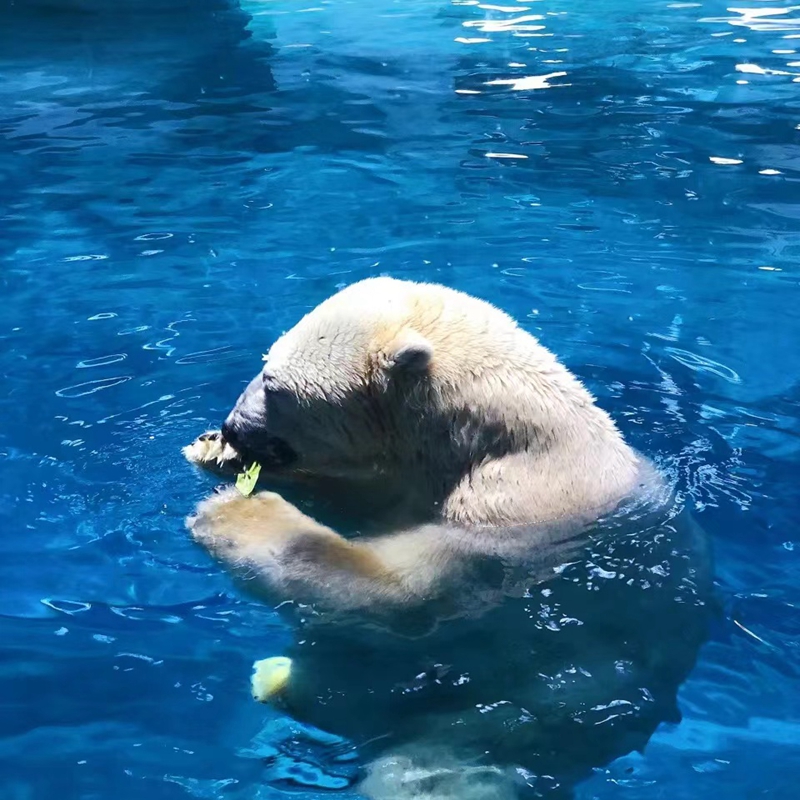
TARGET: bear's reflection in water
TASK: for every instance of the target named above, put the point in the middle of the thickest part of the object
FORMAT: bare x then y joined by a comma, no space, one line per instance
533,670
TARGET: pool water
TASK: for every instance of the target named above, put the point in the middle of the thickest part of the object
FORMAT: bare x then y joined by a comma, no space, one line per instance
182,181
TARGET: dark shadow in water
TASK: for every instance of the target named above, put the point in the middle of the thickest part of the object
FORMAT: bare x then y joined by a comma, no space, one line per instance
103,114
555,666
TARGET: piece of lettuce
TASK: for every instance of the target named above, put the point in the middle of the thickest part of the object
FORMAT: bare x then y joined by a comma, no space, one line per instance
246,481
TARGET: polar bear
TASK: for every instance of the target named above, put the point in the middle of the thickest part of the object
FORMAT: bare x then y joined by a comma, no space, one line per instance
513,596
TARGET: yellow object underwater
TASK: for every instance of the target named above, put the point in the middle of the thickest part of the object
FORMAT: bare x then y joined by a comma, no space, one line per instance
270,677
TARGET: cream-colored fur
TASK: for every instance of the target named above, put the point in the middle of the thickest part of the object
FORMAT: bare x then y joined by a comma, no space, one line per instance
392,383
518,437
472,444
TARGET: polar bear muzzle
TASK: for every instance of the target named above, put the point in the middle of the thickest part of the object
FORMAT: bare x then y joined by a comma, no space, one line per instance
253,444
246,429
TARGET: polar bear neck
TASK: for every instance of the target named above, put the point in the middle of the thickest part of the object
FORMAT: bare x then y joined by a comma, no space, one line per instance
529,442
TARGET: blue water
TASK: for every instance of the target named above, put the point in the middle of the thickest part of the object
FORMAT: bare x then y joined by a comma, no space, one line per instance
181,181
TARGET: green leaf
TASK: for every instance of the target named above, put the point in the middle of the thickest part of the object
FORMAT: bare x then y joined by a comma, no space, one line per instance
246,481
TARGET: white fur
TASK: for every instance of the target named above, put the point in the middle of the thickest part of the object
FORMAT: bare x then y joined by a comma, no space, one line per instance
472,440
515,434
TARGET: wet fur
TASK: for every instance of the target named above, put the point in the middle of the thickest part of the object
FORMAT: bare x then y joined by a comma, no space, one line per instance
498,471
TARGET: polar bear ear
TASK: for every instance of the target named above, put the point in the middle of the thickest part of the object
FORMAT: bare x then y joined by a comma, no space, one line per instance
410,352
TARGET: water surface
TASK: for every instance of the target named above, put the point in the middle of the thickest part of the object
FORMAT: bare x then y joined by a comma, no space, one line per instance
181,181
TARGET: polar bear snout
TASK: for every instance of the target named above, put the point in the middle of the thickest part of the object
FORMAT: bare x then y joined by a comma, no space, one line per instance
247,430
255,444
247,422
234,433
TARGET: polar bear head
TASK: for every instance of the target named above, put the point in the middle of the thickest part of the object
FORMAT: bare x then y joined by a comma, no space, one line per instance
423,384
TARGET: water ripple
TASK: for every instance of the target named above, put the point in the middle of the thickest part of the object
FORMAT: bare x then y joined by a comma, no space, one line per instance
212,356
699,363
101,361
90,387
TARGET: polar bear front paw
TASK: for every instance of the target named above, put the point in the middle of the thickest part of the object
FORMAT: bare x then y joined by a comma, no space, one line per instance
212,452
259,529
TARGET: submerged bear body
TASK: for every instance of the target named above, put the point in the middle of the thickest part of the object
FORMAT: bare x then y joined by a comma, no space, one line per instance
519,597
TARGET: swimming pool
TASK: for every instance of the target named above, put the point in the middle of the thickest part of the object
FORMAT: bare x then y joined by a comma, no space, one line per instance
180,182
